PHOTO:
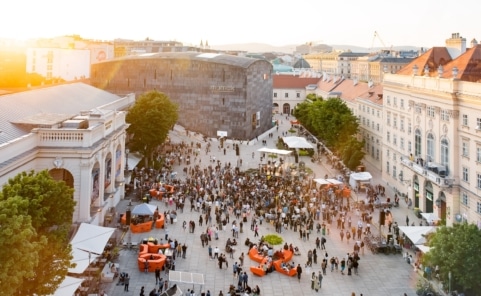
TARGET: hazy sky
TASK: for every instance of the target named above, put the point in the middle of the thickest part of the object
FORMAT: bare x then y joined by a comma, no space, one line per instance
276,22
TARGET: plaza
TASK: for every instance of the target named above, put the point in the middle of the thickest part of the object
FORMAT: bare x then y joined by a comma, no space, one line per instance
379,274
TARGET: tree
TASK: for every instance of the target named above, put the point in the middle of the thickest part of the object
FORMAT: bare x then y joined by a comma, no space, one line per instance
35,217
151,118
456,249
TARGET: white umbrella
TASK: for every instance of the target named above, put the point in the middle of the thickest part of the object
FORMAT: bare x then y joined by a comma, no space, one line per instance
144,209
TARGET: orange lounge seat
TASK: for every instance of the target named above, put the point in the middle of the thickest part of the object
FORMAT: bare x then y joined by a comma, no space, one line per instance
143,249
158,261
287,255
141,227
254,255
278,268
257,271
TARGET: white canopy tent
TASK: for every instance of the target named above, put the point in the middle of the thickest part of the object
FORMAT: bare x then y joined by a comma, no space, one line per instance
423,248
89,242
327,182
297,142
274,151
356,179
144,209
68,286
430,217
186,278
417,233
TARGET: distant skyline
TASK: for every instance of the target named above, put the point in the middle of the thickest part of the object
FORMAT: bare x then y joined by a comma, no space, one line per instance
424,23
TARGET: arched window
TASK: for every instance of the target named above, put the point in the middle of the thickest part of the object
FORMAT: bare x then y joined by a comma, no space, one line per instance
430,147
417,143
445,154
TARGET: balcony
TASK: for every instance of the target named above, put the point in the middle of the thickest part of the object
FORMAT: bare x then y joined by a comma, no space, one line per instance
434,172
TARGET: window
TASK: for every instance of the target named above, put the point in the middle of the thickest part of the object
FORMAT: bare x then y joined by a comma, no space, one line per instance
478,154
430,147
465,119
465,148
478,123
409,146
367,121
372,111
388,137
409,127
445,115
394,172
465,199
298,95
417,143
368,110
363,108
445,154
394,139
430,111
401,143
401,124
377,154
388,153
478,207
465,174
387,167
388,119
275,95
388,100
363,121
417,109
286,95
402,103
478,181
377,127
372,124
372,151
378,113
394,121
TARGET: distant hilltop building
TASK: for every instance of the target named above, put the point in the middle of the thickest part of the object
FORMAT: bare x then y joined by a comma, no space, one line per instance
215,92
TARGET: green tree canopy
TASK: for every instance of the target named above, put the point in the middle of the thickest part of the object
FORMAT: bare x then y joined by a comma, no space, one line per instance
151,118
455,249
35,216
333,123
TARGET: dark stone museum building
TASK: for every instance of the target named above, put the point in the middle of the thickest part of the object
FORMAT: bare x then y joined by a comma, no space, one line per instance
217,94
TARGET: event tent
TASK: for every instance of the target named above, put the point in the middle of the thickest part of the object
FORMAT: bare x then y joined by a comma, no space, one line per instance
430,217
356,179
88,243
297,142
274,151
186,278
417,233
68,286
144,209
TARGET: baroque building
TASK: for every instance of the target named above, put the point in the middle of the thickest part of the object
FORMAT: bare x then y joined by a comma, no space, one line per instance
432,131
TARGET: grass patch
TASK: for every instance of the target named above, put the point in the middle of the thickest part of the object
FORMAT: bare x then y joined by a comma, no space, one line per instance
273,239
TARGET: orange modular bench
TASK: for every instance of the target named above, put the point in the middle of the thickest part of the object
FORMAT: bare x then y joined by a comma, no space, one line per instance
278,268
254,255
155,261
160,222
141,227
258,270
159,194
143,249
153,248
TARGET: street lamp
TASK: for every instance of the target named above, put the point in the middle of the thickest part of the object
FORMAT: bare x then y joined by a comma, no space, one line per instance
127,159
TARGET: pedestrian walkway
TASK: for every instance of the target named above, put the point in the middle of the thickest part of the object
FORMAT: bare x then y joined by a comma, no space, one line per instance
379,274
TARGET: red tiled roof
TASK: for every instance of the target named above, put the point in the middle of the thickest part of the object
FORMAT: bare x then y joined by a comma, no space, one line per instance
349,91
432,58
291,81
468,64
373,94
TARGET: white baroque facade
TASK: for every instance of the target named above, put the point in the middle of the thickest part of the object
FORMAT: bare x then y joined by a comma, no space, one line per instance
74,131
432,136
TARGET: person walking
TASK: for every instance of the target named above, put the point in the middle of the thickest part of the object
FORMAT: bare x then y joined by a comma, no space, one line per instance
157,275
407,220
142,291
126,282
299,272
320,277
313,279
256,233
146,266
341,234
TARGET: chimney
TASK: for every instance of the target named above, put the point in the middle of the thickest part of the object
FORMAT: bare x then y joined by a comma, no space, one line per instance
474,42
456,45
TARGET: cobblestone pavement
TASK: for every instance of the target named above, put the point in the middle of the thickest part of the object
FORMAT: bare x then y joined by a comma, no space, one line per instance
379,274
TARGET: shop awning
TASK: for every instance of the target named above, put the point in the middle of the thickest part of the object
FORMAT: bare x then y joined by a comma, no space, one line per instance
68,286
